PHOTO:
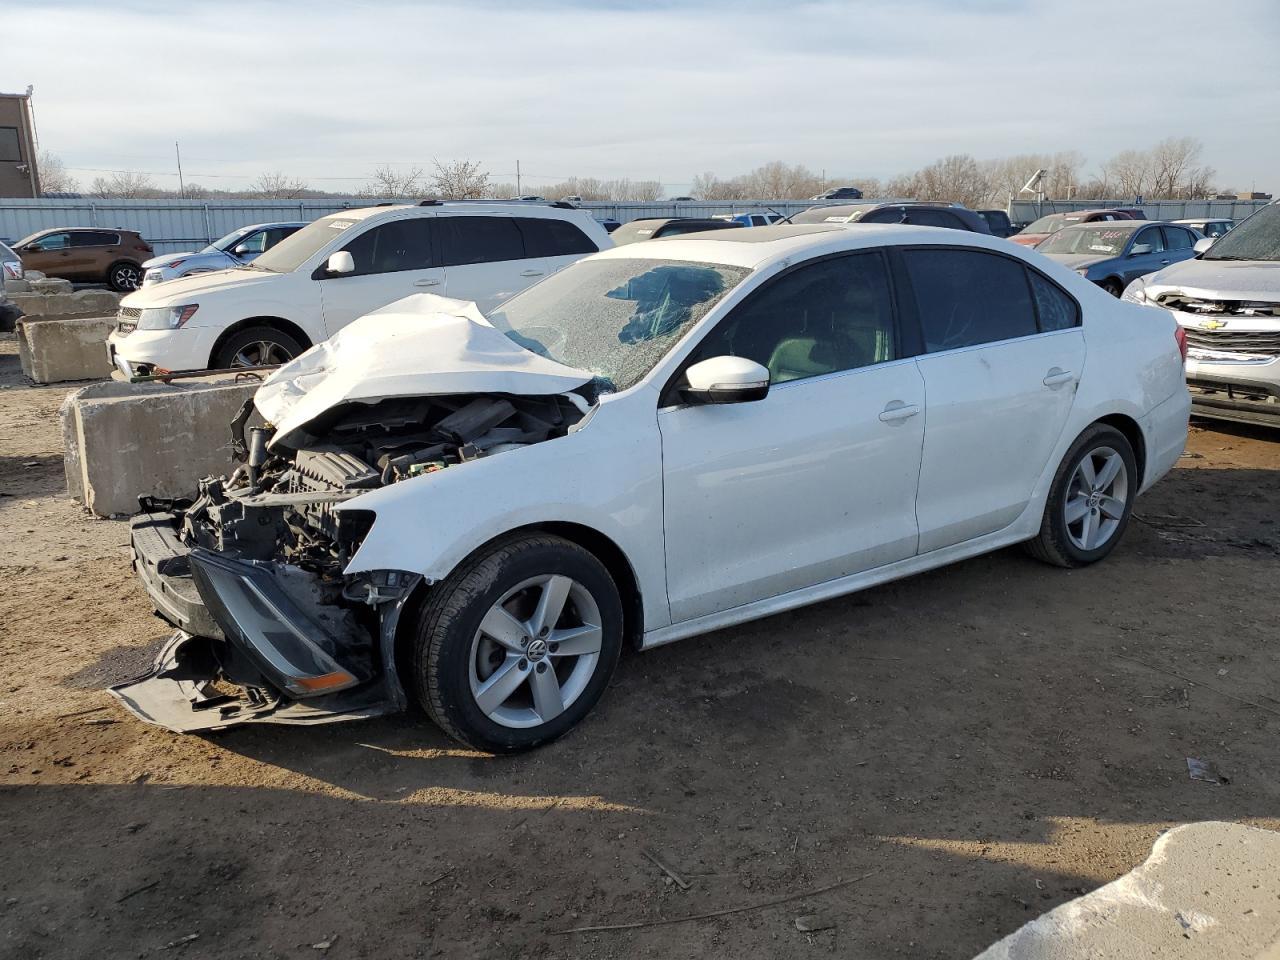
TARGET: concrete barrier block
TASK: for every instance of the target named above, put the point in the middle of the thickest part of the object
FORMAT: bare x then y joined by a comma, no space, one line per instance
82,303
52,351
149,439
51,286
1207,891
17,286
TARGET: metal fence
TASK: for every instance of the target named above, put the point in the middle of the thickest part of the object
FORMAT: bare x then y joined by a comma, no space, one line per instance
173,225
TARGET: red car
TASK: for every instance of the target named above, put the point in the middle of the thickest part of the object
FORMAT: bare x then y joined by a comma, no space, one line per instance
1047,226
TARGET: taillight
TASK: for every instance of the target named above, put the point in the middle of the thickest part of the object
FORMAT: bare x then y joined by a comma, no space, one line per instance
1180,335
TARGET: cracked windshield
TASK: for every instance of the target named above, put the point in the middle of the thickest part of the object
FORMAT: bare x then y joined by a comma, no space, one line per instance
615,318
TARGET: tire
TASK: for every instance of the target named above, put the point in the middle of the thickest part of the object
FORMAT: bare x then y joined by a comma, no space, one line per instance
462,672
1113,287
124,277
248,347
1068,542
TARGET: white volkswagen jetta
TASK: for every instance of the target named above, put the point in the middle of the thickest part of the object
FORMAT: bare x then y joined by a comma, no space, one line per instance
661,440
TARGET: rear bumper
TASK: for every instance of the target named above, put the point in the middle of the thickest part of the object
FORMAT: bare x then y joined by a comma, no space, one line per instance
1164,430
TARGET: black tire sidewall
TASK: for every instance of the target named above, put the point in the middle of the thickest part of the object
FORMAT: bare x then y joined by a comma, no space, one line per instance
1113,287
450,639
1099,435
227,351
116,285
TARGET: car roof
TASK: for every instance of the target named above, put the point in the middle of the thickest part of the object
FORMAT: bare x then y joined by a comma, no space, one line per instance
760,246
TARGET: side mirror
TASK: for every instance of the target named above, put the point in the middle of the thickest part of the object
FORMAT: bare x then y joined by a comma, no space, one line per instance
725,380
1203,244
341,262
241,249
1141,249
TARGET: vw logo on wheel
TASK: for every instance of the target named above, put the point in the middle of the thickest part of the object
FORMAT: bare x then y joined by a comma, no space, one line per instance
536,650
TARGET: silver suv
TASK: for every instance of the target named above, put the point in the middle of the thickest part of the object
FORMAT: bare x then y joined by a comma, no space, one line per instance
1227,300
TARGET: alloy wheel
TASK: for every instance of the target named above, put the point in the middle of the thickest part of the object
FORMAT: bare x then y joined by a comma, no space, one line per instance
536,651
1096,498
126,277
261,353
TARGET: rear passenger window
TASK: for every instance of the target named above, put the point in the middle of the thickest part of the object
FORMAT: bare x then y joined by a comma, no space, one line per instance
95,238
932,218
1175,238
833,315
966,297
466,240
1056,310
547,237
392,247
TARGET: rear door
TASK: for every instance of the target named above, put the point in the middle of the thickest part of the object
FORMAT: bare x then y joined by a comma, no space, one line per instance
394,259
1003,352
1179,244
483,258
551,244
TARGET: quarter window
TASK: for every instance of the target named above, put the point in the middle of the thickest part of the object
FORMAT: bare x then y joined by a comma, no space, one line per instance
967,297
1056,310
833,315
549,237
465,239
392,247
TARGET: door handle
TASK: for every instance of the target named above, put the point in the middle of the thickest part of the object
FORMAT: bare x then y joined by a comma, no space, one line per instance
897,410
532,273
426,283
1164,261
1057,376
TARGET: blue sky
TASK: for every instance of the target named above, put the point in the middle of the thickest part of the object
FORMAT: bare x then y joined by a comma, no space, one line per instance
327,91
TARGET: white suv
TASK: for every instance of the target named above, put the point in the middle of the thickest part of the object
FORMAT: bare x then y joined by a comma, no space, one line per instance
343,266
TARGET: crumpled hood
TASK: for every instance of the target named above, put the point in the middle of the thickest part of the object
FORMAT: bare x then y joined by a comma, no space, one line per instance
1219,280
423,345
1077,261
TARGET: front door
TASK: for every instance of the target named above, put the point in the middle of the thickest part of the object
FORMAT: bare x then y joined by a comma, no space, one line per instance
1146,254
393,260
51,255
1003,352
816,481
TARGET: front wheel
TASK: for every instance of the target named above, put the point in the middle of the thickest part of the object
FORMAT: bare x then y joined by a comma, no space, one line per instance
257,347
1090,500
518,644
1113,287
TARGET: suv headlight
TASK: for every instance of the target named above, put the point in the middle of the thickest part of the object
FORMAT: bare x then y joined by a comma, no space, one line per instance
1136,292
166,318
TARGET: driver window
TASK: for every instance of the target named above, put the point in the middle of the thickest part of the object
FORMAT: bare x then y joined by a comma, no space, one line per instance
392,247
254,243
1150,235
829,316
54,241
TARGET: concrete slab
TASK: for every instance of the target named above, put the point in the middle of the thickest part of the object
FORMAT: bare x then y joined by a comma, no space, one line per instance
56,350
51,285
1207,891
82,303
17,286
127,440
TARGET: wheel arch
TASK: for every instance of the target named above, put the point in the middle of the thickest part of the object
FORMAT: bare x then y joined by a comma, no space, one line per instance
600,546
1133,433
277,323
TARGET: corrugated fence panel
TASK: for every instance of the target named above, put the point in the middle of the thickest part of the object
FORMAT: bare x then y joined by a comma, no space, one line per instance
174,225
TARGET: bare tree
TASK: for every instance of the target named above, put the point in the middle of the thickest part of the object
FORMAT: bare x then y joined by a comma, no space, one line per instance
459,180
53,175
124,185
957,178
277,186
394,184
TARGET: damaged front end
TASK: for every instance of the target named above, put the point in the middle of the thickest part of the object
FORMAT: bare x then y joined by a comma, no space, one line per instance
251,570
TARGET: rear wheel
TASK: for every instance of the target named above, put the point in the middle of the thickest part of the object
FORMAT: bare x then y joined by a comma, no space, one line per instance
518,644
1090,500
124,276
257,347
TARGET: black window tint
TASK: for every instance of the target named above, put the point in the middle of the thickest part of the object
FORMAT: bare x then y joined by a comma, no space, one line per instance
466,239
391,247
1150,235
833,315
887,215
9,149
94,238
933,218
1175,238
545,237
1056,310
966,297
276,234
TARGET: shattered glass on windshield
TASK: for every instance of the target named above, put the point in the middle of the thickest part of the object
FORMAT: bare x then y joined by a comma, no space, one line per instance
615,318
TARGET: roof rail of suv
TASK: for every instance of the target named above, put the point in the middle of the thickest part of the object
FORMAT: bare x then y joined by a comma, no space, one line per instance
558,204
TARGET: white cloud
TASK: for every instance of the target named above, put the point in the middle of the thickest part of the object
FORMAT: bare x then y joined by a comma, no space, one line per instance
325,89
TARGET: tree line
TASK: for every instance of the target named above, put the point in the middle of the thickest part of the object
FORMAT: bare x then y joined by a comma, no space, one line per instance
1169,170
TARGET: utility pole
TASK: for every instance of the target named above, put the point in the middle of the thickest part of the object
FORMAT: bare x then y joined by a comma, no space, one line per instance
519,192
182,187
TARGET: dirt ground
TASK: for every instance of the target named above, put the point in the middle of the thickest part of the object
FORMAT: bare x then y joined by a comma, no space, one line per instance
974,746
